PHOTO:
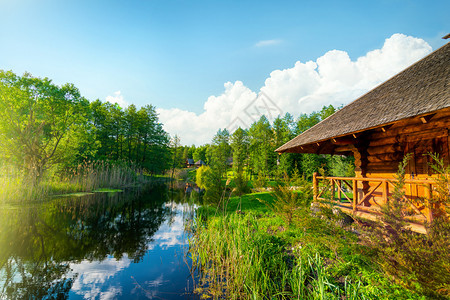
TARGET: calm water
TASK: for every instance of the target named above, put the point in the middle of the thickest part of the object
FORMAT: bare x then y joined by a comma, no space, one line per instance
129,245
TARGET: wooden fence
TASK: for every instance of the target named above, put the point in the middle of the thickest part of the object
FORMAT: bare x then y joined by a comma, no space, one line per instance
367,195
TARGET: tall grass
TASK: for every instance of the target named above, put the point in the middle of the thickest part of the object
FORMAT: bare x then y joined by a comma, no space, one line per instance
15,186
237,259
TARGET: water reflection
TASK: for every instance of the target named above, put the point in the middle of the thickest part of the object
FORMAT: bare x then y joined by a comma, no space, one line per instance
123,245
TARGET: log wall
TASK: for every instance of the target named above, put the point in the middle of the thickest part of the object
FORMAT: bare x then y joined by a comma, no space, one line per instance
380,151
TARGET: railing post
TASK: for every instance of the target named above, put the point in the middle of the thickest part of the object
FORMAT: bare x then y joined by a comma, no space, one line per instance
428,196
339,184
315,186
385,191
355,194
332,189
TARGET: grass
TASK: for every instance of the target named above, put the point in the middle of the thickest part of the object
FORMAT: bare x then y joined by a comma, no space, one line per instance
248,252
84,178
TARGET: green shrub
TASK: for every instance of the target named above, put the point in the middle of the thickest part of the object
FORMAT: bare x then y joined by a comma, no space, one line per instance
290,194
419,262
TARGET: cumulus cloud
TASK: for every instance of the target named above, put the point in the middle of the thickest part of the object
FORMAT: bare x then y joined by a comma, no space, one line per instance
331,79
117,98
266,43
93,277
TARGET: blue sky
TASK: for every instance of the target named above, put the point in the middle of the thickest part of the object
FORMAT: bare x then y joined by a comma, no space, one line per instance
176,54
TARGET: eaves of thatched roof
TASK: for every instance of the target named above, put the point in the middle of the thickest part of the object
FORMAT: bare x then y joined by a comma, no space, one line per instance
418,90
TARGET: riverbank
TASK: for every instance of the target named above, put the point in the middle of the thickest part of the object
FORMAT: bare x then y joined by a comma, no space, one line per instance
244,250
85,178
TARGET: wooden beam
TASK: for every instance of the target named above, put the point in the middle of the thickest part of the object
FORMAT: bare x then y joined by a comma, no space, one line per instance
385,128
347,148
426,119
343,141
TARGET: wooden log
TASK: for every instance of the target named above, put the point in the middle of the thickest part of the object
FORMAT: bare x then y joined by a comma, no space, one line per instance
384,166
387,157
383,141
391,148
414,125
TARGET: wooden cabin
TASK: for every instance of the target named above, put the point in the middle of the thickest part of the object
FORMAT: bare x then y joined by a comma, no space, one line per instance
190,163
200,163
409,113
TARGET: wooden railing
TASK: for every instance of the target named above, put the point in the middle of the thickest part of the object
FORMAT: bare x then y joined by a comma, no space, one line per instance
369,194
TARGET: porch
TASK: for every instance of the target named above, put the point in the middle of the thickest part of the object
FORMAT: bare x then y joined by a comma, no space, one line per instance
363,197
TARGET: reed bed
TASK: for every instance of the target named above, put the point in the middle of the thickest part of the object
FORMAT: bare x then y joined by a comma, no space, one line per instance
85,177
237,259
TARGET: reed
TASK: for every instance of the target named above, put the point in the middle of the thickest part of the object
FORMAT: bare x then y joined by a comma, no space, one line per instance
237,259
85,177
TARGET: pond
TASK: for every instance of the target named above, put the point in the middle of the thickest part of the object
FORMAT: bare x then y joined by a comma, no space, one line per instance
126,245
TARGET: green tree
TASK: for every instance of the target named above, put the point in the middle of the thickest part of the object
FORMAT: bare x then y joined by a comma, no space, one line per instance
40,122
239,144
200,153
262,155
282,134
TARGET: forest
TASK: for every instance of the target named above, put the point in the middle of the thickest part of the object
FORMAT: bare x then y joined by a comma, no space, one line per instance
51,135
247,156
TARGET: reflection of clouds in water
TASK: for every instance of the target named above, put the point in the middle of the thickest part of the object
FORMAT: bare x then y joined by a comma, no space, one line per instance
92,276
150,288
171,232
157,282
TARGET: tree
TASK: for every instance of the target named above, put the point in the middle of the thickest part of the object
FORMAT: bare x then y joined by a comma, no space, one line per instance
176,156
40,122
221,150
282,134
239,144
262,155
200,153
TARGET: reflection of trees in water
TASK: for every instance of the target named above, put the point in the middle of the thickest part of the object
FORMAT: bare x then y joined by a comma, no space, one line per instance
38,242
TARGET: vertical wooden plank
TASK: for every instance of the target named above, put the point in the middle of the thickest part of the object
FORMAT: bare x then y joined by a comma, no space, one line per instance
385,191
315,186
332,188
339,183
355,194
428,195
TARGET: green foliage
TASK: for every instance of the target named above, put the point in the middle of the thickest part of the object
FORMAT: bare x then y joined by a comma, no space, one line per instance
46,128
254,156
249,253
200,177
440,201
214,186
341,166
41,124
241,184
262,155
200,153
291,194
419,262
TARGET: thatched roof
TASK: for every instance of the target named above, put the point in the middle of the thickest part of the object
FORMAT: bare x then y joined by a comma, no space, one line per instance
420,89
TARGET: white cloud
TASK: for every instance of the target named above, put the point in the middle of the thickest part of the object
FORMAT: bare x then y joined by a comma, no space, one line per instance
266,43
93,276
117,98
332,79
